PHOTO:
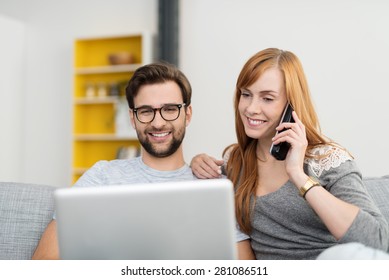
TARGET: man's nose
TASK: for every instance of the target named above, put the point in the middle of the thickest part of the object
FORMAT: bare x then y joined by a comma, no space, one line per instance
158,120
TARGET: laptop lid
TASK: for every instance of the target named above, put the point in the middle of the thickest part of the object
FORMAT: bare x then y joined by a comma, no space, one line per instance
175,220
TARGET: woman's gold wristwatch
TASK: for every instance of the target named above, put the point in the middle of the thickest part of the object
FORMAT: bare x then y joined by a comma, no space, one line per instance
309,184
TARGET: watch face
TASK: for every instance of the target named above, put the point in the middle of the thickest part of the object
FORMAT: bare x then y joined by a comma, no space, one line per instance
307,186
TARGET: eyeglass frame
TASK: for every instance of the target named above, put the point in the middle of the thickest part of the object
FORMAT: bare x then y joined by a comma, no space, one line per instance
179,106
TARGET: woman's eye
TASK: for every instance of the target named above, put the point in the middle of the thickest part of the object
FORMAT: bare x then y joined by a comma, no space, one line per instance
267,99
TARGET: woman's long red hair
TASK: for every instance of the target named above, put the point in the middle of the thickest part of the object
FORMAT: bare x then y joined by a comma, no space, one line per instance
242,164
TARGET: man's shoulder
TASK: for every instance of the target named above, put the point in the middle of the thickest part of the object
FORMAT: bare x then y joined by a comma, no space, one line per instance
117,163
130,171
111,172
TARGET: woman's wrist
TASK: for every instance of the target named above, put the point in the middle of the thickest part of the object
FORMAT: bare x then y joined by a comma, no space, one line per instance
299,179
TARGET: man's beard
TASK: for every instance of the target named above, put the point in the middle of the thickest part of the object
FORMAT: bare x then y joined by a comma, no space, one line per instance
171,149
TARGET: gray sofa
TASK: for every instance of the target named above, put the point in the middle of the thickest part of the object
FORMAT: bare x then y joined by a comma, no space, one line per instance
379,190
25,211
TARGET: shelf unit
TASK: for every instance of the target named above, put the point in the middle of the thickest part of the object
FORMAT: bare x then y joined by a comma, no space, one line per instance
98,118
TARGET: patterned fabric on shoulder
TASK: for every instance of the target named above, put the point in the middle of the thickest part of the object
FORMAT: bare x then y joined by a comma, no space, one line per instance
326,157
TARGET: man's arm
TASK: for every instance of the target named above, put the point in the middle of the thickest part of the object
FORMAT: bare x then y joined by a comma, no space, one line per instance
47,248
245,252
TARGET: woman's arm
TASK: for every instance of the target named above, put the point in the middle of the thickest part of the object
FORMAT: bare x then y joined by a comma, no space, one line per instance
347,209
342,203
335,213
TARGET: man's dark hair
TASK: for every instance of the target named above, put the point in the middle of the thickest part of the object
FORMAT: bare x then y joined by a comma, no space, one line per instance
156,73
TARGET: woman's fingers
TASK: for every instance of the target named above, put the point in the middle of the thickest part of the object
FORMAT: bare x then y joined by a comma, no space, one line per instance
206,167
293,132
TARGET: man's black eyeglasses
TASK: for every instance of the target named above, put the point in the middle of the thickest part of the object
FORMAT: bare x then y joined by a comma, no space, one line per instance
169,112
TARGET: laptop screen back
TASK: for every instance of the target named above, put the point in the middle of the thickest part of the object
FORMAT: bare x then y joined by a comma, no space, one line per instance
176,220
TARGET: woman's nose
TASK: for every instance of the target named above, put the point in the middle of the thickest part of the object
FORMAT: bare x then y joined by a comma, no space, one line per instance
254,107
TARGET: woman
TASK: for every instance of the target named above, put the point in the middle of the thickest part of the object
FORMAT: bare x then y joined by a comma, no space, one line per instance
314,199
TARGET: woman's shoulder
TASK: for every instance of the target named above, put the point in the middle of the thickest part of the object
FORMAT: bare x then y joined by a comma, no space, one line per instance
326,157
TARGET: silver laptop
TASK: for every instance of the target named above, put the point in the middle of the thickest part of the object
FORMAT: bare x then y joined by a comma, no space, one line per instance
189,220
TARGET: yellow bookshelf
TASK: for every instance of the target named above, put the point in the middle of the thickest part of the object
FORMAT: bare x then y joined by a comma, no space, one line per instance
99,96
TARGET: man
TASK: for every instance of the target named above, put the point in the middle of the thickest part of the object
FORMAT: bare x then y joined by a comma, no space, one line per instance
159,97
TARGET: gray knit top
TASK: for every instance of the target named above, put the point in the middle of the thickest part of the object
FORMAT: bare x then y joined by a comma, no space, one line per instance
286,227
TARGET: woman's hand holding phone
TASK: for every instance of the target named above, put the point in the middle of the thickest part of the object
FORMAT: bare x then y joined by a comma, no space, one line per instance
296,136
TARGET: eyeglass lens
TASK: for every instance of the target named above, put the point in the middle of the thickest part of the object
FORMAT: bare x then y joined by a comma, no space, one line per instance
168,112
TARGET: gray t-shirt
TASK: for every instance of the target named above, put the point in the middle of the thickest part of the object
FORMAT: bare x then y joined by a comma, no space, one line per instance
132,171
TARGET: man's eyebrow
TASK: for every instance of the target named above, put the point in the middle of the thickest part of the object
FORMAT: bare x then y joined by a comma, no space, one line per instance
161,105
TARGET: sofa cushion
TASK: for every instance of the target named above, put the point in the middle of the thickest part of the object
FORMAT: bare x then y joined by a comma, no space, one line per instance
378,188
25,211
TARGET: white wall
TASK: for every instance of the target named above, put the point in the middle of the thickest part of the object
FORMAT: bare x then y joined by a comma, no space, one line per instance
51,28
342,44
12,34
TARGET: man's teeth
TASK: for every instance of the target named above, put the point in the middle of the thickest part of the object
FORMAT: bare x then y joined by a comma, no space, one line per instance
160,134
